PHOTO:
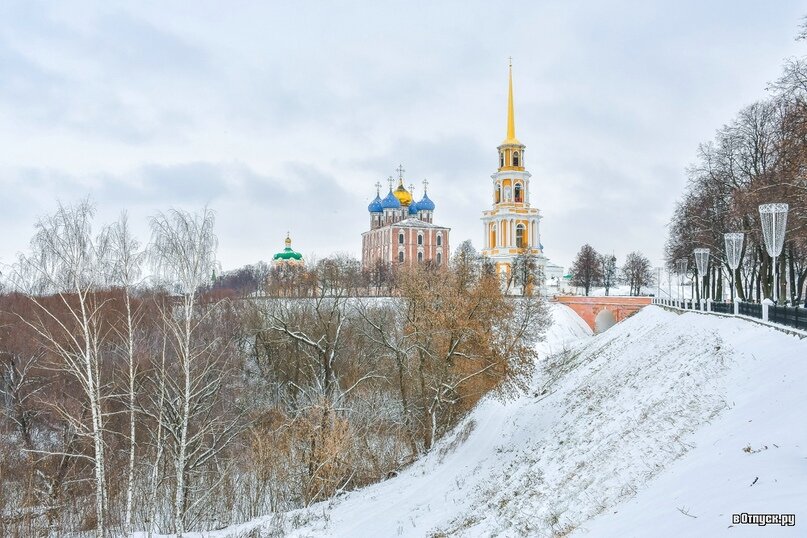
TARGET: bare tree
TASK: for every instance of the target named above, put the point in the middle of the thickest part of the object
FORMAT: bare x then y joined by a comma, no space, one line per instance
586,268
527,273
457,357
125,259
183,249
314,333
609,271
67,262
637,272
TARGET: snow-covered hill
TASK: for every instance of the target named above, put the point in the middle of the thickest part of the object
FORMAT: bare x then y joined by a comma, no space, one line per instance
664,425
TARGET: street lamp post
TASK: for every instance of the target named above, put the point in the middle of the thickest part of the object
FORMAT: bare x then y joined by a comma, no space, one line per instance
774,222
669,283
702,262
734,250
681,269
658,282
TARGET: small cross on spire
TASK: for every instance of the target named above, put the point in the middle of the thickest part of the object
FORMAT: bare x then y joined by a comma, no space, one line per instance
390,181
425,185
377,187
511,60
400,171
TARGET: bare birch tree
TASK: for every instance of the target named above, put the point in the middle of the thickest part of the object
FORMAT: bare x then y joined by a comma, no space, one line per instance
124,267
183,249
66,262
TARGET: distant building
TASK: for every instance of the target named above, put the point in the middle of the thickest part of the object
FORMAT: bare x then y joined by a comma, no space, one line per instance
553,276
288,257
402,231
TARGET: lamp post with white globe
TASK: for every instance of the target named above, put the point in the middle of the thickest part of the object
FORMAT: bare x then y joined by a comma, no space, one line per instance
702,262
774,222
734,250
681,269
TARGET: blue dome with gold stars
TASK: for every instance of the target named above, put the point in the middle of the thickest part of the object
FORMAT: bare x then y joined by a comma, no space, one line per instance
425,203
390,201
375,206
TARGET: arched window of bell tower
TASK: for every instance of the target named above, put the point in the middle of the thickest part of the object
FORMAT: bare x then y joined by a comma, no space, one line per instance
498,193
501,159
519,193
515,158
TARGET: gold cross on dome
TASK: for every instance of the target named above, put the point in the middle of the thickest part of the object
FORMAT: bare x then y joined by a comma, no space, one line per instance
377,187
425,185
412,188
400,171
390,181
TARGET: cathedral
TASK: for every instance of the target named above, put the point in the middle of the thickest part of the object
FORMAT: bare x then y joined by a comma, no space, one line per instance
402,231
511,226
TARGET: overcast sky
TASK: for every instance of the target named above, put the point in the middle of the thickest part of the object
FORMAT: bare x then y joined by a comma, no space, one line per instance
283,117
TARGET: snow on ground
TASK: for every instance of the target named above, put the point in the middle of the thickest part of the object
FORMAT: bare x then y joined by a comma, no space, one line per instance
750,458
657,427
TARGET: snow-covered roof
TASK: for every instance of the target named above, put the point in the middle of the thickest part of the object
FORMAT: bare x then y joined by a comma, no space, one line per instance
417,223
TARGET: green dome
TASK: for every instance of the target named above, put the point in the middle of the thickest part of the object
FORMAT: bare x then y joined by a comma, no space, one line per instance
287,254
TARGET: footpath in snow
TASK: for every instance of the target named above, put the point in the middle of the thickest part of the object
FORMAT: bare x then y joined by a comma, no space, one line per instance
664,425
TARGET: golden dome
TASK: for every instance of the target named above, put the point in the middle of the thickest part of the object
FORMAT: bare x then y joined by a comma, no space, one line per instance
403,195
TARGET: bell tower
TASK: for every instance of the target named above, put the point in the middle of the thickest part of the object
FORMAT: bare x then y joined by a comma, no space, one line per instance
511,226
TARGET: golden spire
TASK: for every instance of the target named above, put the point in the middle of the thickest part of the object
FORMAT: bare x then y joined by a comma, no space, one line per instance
511,116
288,240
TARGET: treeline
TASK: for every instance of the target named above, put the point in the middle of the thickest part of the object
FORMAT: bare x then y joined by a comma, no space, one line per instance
135,396
382,279
590,268
757,158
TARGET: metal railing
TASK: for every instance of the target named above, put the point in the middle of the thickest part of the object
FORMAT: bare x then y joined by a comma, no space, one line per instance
723,308
790,316
753,310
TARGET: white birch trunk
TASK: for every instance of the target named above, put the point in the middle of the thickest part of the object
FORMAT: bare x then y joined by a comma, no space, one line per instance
132,431
94,394
155,470
179,500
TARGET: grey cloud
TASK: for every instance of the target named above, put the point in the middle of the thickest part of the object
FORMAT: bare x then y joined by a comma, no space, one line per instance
282,116
111,57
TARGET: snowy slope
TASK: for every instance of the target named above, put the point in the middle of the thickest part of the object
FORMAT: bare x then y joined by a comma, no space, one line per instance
751,458
619,432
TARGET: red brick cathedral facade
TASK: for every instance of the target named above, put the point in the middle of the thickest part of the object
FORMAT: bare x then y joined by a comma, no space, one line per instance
402,231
